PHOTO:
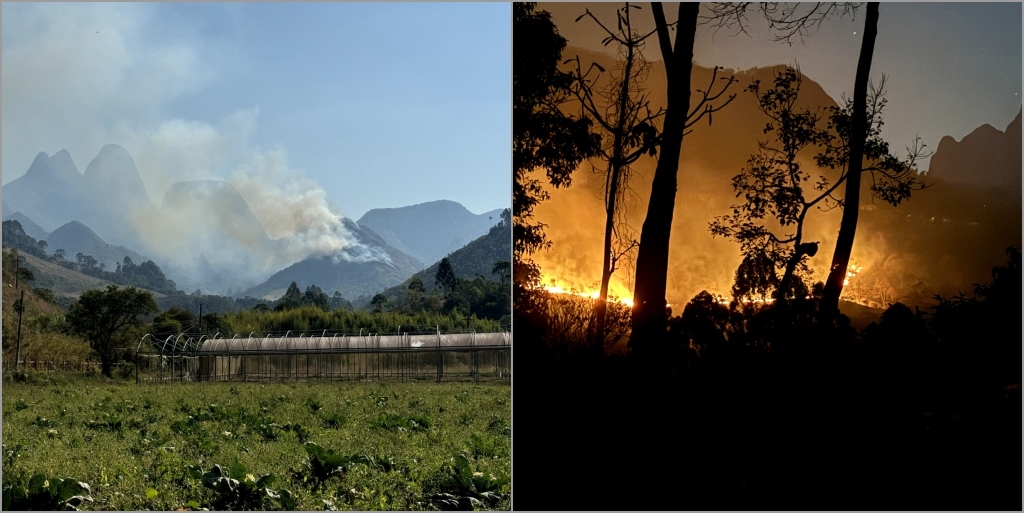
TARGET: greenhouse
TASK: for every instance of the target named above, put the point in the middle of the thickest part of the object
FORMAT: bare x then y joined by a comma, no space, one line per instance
325,357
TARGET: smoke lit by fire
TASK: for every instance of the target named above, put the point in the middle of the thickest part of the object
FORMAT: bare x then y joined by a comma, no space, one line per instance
942,240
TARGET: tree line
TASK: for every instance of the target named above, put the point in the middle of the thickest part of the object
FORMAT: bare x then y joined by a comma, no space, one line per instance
146,275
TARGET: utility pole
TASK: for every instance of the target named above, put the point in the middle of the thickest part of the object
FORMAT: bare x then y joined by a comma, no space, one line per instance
21,308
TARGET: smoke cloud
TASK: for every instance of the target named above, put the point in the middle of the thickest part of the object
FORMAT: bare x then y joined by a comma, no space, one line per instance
244,212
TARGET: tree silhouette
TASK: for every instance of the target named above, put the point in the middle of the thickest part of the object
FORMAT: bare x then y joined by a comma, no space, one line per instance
621,110
445,277
315,296
501,268
545,139
859,129
103,317
25,274
292,298
652,256
775,188
379,303
794,20
416,284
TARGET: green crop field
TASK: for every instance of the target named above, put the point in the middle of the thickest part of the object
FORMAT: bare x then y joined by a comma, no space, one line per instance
190,446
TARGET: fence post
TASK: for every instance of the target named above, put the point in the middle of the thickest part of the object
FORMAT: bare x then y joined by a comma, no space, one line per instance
440,364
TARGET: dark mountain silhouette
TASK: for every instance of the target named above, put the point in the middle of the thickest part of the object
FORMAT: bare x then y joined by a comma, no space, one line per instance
985,157
477,257
429,231
352,274
31,228
75,237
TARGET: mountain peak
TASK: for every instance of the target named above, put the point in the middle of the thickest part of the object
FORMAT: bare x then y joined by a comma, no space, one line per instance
77,230
64,166
113,172
113,149
427,231
987,157
40,165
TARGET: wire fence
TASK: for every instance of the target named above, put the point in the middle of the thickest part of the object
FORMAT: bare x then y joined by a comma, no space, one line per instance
85,367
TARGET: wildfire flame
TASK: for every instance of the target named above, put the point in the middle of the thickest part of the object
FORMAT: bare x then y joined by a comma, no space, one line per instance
851,272
848,294
594,294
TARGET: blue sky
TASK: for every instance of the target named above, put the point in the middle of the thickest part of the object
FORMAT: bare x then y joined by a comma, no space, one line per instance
949,67
379,104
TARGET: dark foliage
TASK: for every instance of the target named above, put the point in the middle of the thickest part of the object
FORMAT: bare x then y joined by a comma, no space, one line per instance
758,406
545,139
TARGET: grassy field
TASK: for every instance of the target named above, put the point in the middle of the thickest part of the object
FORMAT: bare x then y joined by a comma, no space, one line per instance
365,446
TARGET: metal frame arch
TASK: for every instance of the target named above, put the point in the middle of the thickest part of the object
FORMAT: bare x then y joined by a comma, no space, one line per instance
138,348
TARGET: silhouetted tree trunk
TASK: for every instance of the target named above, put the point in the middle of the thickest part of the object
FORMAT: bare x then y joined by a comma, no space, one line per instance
851,203
652,257
630,123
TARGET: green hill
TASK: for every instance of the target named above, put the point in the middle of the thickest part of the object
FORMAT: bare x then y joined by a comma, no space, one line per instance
473,259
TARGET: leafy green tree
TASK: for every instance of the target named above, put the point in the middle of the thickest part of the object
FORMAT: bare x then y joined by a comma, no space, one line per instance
60,254
379,303
14,236
46,295
104,317
25,274
502,268
339,302
292,298
88,262
445,277
415,292
172,322
416,284
316,297
214,323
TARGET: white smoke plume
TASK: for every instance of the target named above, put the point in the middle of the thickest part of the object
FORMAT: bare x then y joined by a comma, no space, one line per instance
211,240
297,211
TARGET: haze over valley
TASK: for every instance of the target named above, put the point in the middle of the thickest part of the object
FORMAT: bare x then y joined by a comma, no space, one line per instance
205,235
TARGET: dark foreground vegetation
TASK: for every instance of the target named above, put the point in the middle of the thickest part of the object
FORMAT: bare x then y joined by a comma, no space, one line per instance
747,406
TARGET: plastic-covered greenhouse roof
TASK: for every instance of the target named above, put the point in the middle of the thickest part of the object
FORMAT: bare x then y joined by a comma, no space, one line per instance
315,344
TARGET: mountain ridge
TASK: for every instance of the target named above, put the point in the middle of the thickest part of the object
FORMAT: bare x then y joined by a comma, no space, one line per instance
333,273
428,231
